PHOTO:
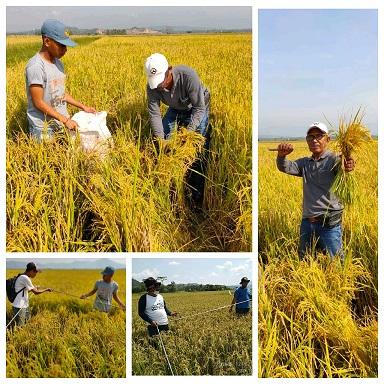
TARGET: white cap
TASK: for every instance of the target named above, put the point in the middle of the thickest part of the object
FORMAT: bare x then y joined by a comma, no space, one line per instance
323,128
155,67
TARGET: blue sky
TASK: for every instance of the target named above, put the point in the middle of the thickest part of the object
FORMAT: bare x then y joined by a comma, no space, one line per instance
204,271
68,263
28,18
314,63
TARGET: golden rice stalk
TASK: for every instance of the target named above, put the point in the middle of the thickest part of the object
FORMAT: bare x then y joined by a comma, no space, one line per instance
350,138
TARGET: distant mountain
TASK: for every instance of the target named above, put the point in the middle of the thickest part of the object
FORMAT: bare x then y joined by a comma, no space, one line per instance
135,30
76,264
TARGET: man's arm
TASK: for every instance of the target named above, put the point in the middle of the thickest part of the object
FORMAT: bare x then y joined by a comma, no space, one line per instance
118,301
70,100
283,164
90,293
168,311
40,291
37,96
196,95
154,113
233,302
141,310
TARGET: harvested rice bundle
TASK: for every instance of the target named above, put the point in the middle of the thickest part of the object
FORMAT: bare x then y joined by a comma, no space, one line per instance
350,138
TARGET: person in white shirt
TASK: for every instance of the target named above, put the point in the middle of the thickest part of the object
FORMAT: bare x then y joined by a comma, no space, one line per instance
153,309
23,286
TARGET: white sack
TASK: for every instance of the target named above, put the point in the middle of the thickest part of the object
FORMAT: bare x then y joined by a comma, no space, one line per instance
93,131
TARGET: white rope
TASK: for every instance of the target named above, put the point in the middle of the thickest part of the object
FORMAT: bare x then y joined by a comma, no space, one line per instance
165,352
211,310
14,317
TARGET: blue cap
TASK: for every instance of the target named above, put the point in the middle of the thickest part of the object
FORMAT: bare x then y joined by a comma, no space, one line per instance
55,30
108,271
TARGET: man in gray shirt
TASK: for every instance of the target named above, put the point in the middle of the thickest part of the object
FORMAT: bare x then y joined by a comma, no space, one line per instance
45,84
321,225
105,290
188,101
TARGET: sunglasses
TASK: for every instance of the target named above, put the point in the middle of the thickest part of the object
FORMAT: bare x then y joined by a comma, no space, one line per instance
315,137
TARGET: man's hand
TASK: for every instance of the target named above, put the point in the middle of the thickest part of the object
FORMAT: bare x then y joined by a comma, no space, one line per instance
122,306
284,149
349,165
174,314
154,324
89,109
83,296
71,124
48,289
230,308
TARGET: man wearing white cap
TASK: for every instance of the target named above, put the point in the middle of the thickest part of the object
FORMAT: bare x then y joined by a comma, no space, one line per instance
188,100
321,225
45,84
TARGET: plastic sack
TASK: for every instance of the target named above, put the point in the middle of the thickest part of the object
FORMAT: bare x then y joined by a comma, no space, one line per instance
93,132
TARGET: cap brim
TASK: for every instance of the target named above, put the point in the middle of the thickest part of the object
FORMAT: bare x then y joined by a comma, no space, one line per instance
154,81
316,127
67,42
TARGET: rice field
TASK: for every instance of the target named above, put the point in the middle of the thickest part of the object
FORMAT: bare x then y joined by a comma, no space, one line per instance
216,343
317,318
61,199
65,336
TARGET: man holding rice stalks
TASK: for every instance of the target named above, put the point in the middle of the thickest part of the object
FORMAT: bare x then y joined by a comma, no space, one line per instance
45,84
188,101
153,309
321,225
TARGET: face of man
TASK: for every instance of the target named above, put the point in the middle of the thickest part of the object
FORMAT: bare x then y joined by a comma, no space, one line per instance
32,273
317,141
244,284
55,49
107,278
167,82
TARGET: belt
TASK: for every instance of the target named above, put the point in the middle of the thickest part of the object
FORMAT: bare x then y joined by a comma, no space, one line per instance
326,220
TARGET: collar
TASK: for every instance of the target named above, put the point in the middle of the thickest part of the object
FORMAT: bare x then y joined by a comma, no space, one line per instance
325,154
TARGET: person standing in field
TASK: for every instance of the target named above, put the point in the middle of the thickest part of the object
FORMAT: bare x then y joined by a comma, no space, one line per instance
188,101
45,84
321,224
242,298
22,285
153,309
105,290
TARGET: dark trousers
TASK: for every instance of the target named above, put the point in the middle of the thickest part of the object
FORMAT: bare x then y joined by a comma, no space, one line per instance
242,311
152,331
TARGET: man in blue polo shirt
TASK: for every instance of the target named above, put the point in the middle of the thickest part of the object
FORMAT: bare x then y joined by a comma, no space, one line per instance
242,298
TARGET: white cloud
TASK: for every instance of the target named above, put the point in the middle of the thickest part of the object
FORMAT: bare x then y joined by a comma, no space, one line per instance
146,273
213,274
173,263
228,264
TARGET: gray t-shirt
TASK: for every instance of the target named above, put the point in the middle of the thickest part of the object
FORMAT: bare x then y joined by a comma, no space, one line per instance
51,77
187,93
318,176
104,293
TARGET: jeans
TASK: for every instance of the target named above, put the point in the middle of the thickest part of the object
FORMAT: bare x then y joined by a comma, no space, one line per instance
22,317
174,118
325,238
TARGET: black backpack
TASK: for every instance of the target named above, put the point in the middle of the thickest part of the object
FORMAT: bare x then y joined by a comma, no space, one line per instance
11,291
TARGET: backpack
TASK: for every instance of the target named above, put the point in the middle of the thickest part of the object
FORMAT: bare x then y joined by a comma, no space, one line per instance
10,286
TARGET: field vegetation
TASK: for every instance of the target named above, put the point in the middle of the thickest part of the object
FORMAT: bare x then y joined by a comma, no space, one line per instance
215,343
60,199
317,317
65,336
